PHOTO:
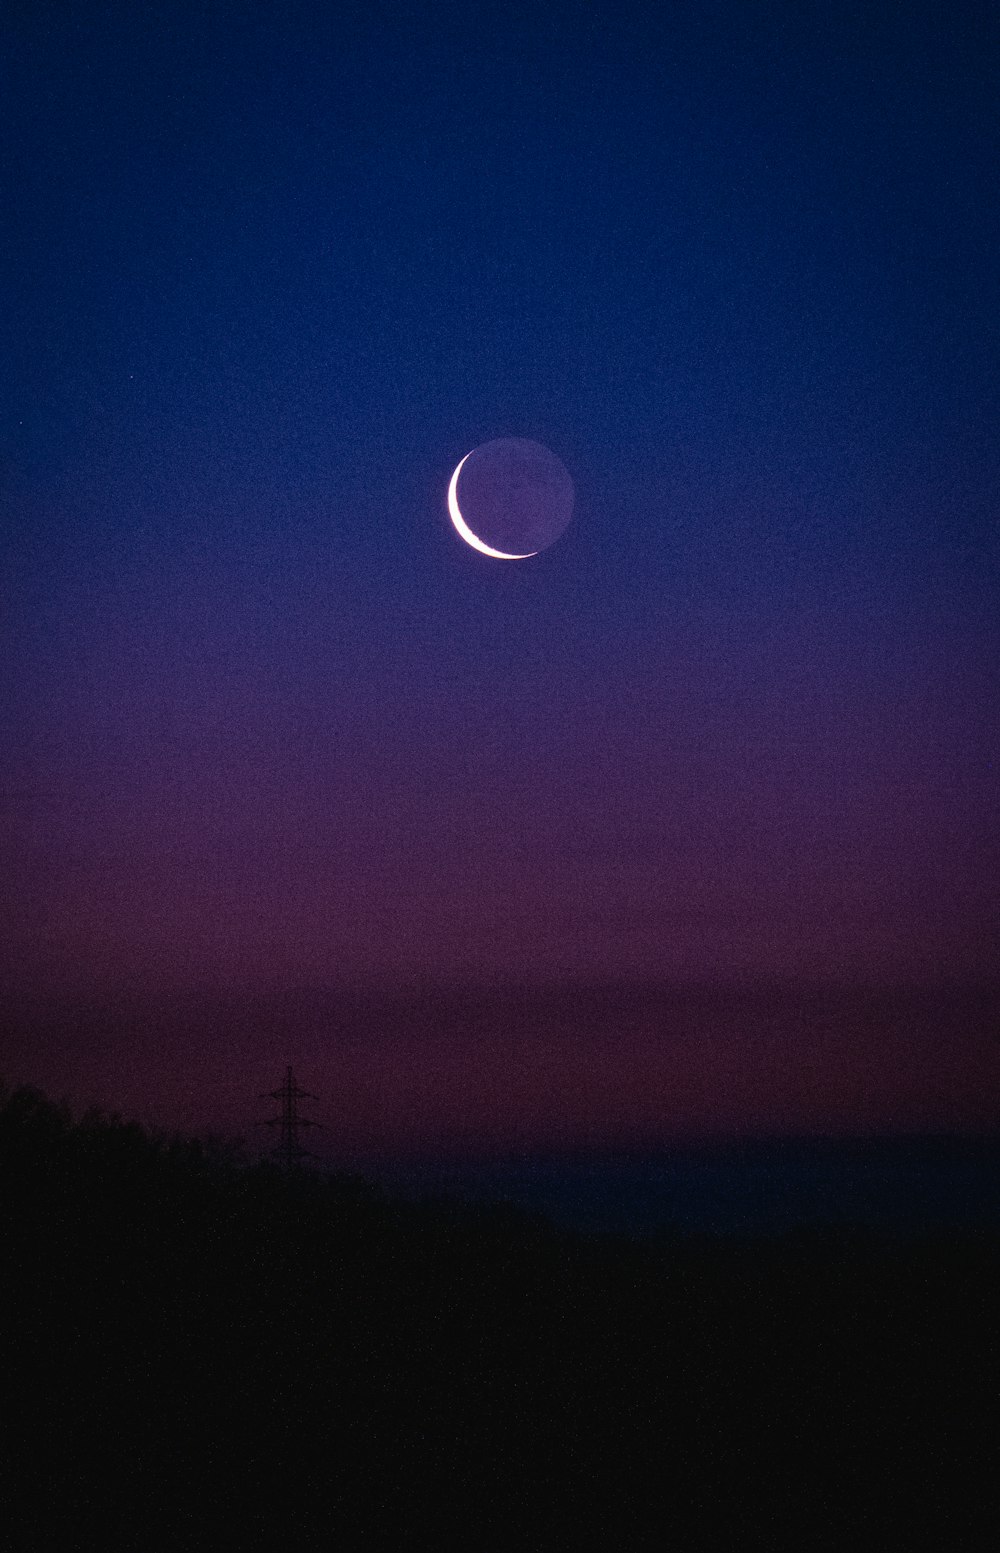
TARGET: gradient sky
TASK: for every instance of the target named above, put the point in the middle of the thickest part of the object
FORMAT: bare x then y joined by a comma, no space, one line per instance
268,274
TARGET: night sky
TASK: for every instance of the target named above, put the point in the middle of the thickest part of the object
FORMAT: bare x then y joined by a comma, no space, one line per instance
688,825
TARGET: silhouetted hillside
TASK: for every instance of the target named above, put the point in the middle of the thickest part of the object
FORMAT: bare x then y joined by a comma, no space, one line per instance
199,1353
889,1185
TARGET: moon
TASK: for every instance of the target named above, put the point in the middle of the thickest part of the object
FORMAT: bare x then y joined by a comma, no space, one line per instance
516,498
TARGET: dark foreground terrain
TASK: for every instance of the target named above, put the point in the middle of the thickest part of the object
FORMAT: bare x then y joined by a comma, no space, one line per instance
201,1354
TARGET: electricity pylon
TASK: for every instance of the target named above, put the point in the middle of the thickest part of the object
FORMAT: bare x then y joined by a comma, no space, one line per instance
288,1148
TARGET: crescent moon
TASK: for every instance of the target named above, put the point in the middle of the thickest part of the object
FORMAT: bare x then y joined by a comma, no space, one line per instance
463,528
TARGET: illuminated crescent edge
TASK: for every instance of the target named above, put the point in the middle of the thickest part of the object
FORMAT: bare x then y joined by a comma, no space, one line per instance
463,528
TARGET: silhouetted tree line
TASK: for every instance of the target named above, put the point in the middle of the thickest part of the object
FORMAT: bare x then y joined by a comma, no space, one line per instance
198,1352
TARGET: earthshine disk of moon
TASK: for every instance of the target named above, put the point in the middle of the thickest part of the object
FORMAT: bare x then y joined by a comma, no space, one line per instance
516,498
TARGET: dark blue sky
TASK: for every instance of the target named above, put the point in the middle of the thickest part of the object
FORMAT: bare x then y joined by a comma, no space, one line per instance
268,274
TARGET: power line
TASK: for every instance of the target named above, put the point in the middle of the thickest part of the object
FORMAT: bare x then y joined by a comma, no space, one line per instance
288,1148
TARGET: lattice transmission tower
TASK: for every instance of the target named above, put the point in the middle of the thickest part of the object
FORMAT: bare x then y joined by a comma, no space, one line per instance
288,1149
